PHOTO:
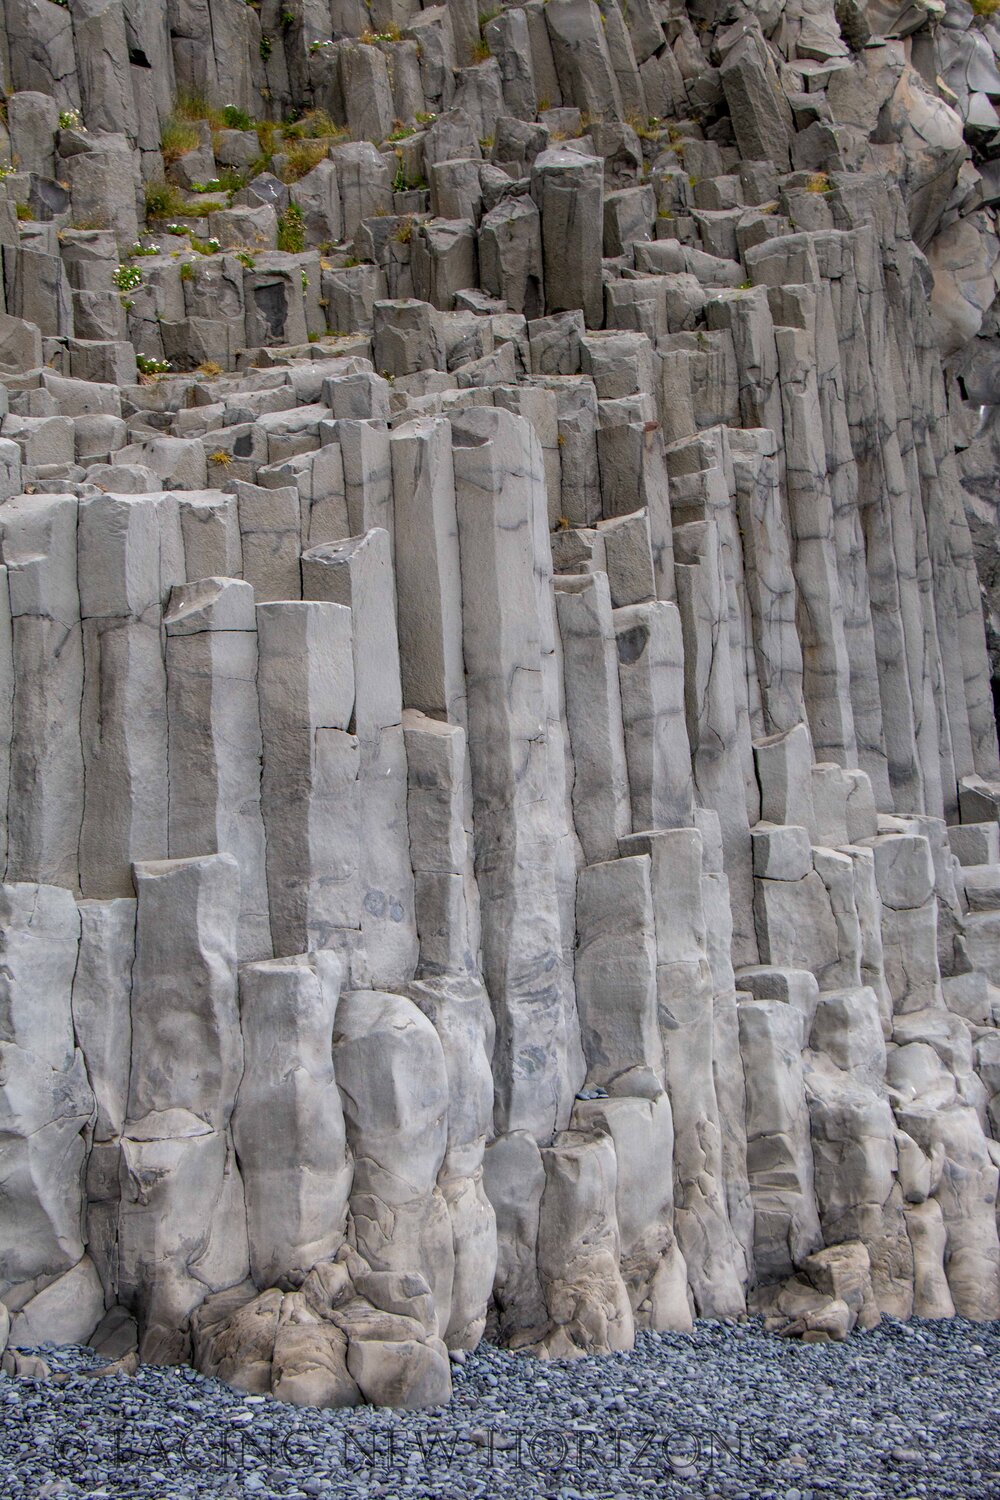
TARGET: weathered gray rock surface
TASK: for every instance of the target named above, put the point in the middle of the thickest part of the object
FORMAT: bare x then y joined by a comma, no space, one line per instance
499,782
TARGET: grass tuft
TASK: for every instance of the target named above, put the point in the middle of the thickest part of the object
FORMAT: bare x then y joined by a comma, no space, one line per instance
300,158
314,125
291,233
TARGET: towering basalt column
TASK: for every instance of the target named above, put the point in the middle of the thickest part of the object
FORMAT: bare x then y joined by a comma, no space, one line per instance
6,708
601,811
441,839
391,1072
428,575
964,698
836,321
182,1225
727,1066
579,1247
650,646
779,1155
908,330
897,612
458,1009
821,613
717,761
45,809
45,1099
904,876
769,582
686,1020
102,1020
309,784
855,1143
959,599
498,485
357,573
124,699
616,971
704,483
826,680
652,1265
567,189
450,993
214,802
288,1125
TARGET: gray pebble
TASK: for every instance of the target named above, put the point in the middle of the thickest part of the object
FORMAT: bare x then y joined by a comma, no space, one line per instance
726,1412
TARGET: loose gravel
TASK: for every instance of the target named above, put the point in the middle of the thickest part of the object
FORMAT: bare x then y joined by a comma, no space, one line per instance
909,1409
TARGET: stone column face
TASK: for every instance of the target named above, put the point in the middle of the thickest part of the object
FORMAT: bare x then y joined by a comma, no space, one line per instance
123,728
288,1126
214,741
684,999
904,877
6,711
504,634
770,587
579,1241
270,533
309,781
439,818
45,1100
601,811
180,1182
184,989
851,1121
102,1015
616,970
779,1160
652,1266
651,677
391,1074
357,574
45,809
428,577
459,1011
717,748
826,672
102,1021
567,192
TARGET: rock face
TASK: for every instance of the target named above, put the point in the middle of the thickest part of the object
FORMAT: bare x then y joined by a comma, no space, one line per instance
499,783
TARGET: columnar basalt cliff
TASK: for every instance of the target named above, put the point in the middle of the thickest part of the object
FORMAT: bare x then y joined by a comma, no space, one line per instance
496,732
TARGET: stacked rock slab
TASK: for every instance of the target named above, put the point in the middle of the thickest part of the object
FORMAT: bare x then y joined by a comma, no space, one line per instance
499,783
